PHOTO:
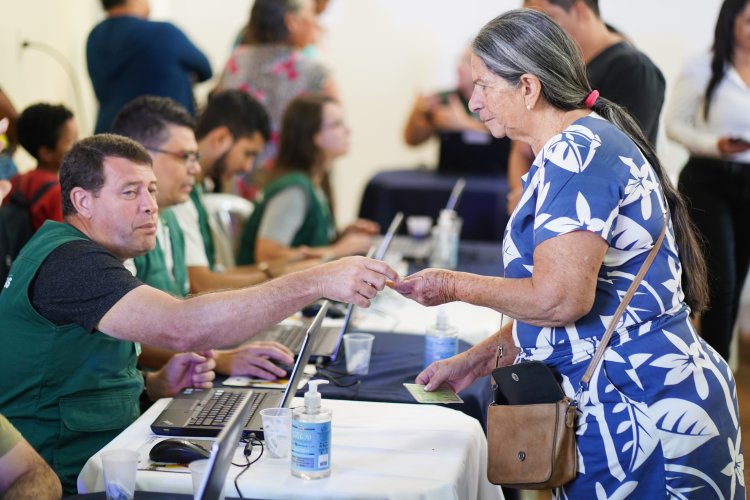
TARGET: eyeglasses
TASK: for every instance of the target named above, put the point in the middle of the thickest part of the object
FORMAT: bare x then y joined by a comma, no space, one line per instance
186,156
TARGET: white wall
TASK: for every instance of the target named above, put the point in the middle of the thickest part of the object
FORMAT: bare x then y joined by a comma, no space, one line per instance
382,53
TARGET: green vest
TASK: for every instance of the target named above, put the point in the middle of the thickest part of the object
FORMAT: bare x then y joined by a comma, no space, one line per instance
208,239
68,391
315,230
152,267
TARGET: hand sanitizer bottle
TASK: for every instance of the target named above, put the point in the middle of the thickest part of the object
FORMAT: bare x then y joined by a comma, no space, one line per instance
441,340
311,436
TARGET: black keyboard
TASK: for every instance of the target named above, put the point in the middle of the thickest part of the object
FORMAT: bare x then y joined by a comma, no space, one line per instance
288,335
220,407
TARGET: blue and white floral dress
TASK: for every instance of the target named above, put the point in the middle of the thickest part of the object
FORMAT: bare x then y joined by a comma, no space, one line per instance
660,418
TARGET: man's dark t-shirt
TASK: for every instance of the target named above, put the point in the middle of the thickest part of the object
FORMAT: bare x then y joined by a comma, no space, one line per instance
78,283
626,76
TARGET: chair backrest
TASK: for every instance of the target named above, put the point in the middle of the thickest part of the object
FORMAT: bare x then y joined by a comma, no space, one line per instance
227,214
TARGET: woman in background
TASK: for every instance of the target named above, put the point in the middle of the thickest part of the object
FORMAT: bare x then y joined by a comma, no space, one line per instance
294,211
710,116
269,63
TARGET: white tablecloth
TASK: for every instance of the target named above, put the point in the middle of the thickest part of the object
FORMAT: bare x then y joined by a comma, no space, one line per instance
390,312
379,450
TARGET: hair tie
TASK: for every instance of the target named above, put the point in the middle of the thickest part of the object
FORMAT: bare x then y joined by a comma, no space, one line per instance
591,99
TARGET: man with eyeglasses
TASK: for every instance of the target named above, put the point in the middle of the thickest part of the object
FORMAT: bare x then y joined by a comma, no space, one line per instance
232,131
165,129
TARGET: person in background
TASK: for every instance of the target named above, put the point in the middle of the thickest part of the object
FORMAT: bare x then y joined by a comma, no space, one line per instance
231,132
8,140
465,145
5,188
165,129
5,185
293,216
269,65
23,473
659,416
74,317
47,132
710,116
621,73
129,56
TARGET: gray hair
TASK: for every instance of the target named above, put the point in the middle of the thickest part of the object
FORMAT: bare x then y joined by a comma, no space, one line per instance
525,41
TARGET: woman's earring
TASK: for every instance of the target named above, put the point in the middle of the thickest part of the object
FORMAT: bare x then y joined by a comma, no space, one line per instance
528,107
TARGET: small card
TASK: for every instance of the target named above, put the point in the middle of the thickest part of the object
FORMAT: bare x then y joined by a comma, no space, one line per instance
441,395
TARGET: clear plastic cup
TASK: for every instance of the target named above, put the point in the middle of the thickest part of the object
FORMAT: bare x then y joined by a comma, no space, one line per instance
358,348
277,431
198,471
119,467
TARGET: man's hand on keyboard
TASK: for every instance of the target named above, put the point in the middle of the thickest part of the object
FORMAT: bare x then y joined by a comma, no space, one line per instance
256,359
187,369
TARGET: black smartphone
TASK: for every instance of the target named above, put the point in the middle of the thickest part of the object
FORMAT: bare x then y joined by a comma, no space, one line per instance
527,383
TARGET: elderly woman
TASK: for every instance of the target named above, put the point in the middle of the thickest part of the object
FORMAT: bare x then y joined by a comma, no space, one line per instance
659,416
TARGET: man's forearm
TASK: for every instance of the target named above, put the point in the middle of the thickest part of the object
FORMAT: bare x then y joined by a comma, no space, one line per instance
38,483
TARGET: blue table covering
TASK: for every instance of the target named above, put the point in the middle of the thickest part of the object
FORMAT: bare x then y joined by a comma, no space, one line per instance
397,359
425,192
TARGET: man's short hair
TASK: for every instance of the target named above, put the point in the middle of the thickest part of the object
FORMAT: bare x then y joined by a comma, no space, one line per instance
83,165
41,125
567,4
242,114
145,120
109,4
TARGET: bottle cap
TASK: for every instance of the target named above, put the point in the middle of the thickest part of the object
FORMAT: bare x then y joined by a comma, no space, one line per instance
312,396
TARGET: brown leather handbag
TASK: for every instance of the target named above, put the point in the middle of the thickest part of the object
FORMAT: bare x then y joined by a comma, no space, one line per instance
531,425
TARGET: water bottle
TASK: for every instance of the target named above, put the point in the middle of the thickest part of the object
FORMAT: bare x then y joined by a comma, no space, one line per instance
445,240
441,340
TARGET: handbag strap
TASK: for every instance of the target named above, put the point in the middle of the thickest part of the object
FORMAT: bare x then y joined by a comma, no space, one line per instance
623,305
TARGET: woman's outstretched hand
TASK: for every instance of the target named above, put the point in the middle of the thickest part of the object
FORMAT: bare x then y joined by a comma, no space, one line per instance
429,287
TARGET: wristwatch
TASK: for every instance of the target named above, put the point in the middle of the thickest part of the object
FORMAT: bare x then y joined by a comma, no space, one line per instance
265,269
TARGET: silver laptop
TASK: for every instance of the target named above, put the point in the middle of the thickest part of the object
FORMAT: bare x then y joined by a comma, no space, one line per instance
205,412
222,451
327,343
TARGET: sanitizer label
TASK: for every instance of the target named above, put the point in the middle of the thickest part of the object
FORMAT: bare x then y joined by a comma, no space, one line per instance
437,348
311,446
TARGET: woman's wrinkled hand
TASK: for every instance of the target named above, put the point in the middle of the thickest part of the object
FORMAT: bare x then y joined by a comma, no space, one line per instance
429,287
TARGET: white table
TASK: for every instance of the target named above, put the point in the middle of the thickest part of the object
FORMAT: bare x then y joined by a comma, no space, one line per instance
379,450
391,312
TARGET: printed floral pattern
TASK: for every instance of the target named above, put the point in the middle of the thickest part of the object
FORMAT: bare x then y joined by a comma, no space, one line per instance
660,416
274,74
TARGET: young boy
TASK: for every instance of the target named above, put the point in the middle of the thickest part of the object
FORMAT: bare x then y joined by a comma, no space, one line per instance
47,132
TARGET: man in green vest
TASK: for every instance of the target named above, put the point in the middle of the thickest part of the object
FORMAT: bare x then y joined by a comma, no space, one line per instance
165,129
73,316
231,132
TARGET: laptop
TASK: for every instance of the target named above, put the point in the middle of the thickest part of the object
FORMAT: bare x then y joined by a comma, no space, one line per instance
205,412
420,250
326,345
222,451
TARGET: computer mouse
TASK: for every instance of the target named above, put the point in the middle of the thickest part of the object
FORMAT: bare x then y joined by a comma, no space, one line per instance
179,451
